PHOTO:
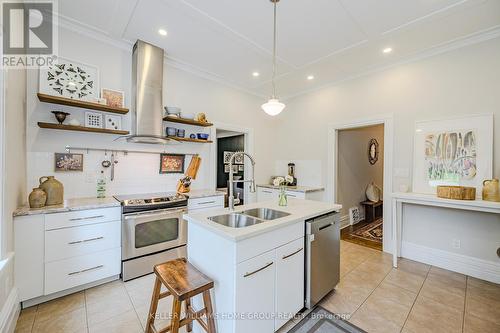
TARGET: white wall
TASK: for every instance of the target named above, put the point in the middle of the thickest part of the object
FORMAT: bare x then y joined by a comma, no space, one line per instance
137,173
354,170
461,82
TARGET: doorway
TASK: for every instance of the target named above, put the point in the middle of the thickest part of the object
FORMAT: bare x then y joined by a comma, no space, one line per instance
229,142
360,168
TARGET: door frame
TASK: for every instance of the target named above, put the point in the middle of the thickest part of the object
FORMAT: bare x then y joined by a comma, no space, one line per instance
249,149
332,172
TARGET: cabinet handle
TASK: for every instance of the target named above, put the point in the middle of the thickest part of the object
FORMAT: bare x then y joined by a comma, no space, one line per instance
86,270
292,254
206,202
86,240
267,191
291,195
258,270
87,218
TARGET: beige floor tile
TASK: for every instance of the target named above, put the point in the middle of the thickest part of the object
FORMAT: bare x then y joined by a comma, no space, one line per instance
162,313
345,299
456,279
394,293
373,322
145,283
386,308
127,322
405,280
430,316
485,308
381,258
445,293
375,268
104,305
413,267
60,306
70,322
477,325
483,288
105,291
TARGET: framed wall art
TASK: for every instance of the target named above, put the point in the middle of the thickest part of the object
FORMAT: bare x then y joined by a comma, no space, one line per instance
172,163
227,156
456,151
373,151
70,79
68,162
114,98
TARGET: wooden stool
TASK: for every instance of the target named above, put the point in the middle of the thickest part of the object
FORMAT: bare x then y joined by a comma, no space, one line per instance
182,281
371,209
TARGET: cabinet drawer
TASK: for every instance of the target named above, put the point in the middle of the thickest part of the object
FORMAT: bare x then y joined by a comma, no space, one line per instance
71,242
207,202
68,273
297,195
82,217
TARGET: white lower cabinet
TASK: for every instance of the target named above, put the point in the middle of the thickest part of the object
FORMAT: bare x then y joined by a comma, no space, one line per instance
255,285
266,194
289,281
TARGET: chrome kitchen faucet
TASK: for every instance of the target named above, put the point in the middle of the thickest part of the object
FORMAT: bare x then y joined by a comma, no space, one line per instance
232,200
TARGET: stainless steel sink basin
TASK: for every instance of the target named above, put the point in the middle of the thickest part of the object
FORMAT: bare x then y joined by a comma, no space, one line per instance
235,220
265,213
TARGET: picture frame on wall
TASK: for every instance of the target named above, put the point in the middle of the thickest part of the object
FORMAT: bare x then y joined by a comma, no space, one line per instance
241,167
227,156
172,163
68,162
114,98
456,151
70,79
226,168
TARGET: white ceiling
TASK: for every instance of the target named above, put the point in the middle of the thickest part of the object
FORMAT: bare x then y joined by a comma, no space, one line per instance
330,39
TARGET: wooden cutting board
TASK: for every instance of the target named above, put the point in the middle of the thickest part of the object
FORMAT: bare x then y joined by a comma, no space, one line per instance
193,167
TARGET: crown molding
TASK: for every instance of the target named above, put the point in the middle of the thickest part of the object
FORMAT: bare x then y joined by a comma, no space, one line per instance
436,50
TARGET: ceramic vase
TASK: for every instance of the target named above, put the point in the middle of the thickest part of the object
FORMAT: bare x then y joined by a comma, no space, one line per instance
491,190
54,190
373,192
37,198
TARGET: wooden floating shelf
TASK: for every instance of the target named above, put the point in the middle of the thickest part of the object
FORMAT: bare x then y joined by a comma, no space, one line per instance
187,121
189,139
81,129
80,104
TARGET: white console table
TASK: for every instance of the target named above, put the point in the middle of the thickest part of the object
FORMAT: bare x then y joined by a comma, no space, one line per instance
429,200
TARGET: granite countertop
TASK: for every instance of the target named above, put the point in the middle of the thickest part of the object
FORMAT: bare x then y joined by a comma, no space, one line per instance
69,205
193,194
299,210
302,189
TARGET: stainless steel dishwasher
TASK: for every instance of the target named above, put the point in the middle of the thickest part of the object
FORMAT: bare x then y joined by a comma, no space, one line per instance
322,257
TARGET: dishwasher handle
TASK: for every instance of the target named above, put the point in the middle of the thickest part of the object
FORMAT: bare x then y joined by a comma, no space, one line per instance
321,223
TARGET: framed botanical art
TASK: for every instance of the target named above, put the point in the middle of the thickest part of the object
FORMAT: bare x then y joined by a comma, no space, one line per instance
227,156
68,162
456,151
114,98
172,163
70,79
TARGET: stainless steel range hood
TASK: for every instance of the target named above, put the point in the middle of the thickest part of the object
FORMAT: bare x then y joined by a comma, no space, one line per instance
147,94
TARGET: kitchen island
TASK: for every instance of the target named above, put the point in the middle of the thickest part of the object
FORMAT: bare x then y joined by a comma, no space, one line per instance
258,269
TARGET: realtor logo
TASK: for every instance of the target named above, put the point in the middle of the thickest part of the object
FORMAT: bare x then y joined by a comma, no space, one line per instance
29,33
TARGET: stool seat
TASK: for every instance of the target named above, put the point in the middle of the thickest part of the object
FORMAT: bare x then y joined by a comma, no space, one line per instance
182,279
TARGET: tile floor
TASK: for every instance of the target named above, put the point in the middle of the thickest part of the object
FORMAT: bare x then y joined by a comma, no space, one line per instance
414,298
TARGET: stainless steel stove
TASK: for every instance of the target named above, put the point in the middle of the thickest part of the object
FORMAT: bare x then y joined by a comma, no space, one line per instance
153,231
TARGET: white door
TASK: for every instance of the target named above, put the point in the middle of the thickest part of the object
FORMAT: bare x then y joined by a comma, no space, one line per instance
289,281
255,292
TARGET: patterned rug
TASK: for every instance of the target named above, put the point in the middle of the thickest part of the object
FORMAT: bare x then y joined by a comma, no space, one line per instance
323,321
372,231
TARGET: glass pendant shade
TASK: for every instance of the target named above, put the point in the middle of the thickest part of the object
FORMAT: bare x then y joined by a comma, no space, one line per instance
273,107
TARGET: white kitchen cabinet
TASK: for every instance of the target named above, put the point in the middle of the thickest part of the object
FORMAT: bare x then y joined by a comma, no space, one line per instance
289,281
206,203
266,194
61,252
255,283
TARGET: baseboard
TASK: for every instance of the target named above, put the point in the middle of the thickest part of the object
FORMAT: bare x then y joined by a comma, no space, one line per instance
475,267
344,221
10,312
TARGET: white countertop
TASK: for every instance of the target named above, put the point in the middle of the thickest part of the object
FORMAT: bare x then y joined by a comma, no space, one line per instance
69,205
299,210
303,189
193,194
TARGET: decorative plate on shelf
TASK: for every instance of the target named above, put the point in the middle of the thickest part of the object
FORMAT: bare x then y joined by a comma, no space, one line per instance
70,79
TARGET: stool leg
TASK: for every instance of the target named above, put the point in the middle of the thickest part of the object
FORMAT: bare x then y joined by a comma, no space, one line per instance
154,305
176,316
187,303
210,315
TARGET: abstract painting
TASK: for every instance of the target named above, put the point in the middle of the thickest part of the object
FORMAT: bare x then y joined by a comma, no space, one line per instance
450,157
68,162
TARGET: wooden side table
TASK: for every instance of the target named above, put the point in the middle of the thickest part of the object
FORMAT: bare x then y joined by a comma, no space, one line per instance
373,210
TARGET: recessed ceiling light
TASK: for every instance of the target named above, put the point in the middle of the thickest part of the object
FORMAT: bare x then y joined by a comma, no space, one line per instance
310,77
387,50
255,74
162,32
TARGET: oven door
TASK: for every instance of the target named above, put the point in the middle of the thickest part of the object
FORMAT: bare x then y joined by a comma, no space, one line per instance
153,231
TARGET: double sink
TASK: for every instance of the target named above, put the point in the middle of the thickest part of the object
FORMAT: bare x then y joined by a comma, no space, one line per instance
248,217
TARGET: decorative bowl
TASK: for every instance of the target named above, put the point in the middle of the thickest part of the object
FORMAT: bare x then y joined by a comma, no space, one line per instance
192,136
202,136
171,131
173,111
187,115
60,116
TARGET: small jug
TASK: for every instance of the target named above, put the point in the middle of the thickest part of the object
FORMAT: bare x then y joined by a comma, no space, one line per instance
54,190
491,190
37,198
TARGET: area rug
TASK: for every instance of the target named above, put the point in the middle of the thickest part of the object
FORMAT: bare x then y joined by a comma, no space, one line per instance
323,321
371,232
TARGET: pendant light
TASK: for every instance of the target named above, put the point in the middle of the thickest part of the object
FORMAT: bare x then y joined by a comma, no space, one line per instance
273,107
